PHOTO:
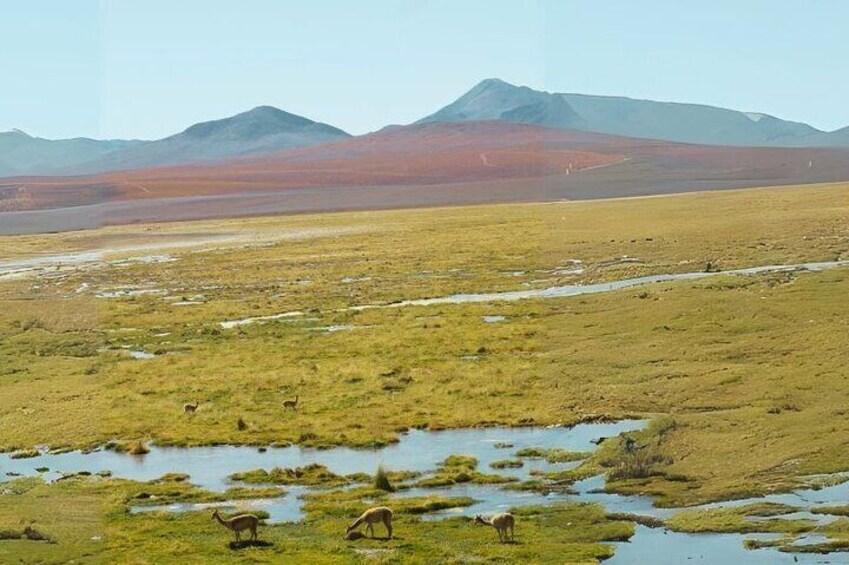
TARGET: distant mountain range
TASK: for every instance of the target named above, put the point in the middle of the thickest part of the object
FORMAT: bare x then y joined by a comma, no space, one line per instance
494,99
430,163
265,130
21,154
259,131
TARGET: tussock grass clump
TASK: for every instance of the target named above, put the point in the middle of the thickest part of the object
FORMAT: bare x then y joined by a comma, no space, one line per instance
565,456
555,455
243,493
648,521
25,454
830,546
359,478
532,452
465,462
137,447
752,544
456,469
832,510
820,482
639,465
381,480
640,455
309,475
507,464
401,476
427,505
172,478
533,485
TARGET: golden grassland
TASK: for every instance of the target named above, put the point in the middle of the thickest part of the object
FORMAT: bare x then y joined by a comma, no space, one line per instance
745,377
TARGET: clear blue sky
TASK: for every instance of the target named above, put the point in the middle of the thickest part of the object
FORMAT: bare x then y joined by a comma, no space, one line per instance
149,68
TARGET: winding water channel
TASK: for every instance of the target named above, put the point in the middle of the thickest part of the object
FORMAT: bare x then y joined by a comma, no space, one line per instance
209,467
581,289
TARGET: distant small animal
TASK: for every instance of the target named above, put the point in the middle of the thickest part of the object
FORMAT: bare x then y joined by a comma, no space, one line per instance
31,533
291,403
630,444
190,408
371,517
501,523
238,524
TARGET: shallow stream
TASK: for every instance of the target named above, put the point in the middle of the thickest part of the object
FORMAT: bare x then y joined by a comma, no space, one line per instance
422,451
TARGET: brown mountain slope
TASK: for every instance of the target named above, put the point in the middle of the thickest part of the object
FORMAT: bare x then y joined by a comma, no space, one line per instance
424,164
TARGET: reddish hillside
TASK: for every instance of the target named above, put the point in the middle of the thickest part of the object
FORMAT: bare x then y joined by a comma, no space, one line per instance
426,164
414,155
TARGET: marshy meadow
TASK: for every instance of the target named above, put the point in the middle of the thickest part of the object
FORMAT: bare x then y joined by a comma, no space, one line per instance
446,362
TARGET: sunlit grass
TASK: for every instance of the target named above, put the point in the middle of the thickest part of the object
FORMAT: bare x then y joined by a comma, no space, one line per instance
88,520
752,370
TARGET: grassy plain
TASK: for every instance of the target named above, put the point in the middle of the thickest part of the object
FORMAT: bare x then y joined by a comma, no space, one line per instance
746,376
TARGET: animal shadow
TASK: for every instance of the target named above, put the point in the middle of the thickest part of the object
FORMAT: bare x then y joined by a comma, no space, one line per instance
236,545
354,536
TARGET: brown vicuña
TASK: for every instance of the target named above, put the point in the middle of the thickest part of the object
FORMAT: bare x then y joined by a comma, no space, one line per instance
501,523
238,524
371,517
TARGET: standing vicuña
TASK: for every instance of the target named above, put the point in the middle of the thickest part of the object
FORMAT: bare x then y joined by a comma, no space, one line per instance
291,403
371,517
190,408
501,523
238,524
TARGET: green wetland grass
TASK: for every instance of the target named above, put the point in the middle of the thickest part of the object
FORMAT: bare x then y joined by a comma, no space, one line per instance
744,378
87,520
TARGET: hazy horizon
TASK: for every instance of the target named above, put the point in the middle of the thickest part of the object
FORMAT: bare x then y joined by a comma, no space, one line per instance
147,70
